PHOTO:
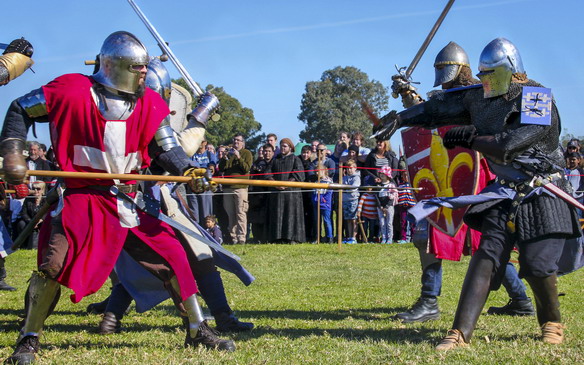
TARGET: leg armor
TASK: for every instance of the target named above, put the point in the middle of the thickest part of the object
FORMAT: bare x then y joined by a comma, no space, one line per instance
42,292
192,308
198,331
473,296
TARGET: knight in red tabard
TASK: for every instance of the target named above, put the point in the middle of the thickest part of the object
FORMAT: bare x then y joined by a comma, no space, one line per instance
107,122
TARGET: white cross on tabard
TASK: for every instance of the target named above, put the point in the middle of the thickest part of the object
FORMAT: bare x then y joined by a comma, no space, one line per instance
114,159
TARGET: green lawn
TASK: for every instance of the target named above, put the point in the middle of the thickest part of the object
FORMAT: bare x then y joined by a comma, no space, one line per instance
310,304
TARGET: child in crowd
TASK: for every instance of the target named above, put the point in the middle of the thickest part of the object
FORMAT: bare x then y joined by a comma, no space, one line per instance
213,229
351,201
405,201
387,200
326,202
367,213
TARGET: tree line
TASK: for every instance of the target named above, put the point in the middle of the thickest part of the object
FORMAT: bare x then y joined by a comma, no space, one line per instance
328,106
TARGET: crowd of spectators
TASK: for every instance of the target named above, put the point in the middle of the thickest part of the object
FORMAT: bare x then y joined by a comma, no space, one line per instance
261,214
375,210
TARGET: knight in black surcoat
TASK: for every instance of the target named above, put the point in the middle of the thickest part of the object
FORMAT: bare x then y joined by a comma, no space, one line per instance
514,122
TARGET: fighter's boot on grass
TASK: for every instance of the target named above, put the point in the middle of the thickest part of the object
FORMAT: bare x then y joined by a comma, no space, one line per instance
117,305
473,296
425,309
213,292
41,296
97,308
3,284
208,337
198,331
552,332
109,324
228,322
545,291
25,351
515,307
454,338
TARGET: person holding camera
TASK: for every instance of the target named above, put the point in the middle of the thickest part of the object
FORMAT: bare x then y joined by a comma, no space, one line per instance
236,163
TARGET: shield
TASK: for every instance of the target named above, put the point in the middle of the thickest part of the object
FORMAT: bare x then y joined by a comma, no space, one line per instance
440,172
180,106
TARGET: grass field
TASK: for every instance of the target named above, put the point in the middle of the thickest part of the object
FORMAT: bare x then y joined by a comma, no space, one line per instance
311,304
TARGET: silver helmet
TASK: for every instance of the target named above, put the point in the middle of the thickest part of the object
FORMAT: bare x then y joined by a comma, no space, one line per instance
119,53
498,62
158,79
449,62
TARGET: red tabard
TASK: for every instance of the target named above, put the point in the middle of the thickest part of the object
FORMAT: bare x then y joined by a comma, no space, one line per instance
85,142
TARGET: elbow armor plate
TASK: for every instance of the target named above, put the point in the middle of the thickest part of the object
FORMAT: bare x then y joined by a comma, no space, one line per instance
165,137
34,103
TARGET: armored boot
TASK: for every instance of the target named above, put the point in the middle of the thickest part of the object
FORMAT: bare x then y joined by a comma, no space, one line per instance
3,284
97,308
545,291
41,295
198,331
425,309
117,305
212,290
473,296
515,307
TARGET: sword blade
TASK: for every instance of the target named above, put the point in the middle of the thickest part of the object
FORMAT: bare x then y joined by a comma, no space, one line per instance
563,195
164,46
190,232
153,210
428,39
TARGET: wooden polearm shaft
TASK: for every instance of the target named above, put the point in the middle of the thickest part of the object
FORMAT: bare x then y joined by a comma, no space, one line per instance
184,179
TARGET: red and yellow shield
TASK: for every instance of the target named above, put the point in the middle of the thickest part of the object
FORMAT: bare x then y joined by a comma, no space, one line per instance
440,173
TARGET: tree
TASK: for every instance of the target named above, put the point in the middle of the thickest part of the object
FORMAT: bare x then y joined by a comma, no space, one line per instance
235,119
333,104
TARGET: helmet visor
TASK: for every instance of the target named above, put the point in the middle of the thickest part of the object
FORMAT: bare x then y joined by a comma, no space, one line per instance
445,73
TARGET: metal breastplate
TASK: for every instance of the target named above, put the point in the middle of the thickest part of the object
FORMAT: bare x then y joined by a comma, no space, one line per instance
111,105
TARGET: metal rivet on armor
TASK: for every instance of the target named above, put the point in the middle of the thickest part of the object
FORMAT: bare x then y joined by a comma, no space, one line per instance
511,185
503,181
521,195
515,203
511,216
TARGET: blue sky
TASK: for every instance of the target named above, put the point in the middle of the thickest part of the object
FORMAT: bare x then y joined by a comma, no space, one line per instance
264,52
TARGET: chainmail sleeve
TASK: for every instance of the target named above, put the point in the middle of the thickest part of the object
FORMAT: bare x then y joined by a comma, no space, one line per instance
443,108
4,75
16,123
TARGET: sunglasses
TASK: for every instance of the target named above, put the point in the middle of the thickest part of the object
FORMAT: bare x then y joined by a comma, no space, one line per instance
37,189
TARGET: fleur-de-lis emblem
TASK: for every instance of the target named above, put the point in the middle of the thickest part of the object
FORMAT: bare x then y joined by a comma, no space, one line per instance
440,174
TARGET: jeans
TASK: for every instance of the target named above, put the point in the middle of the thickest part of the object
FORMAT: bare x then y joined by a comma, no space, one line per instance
513,284
325,217
386,222
432,280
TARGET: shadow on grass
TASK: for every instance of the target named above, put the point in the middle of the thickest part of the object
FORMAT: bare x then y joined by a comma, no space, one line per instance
331,315
391,335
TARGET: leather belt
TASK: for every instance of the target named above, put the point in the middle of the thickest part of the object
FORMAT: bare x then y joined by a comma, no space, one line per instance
123,188
522,189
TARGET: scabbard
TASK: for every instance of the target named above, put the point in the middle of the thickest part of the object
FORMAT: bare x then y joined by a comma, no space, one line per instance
52,198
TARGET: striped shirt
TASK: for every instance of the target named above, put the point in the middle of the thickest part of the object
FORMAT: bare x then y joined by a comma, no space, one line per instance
405,197
367,206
